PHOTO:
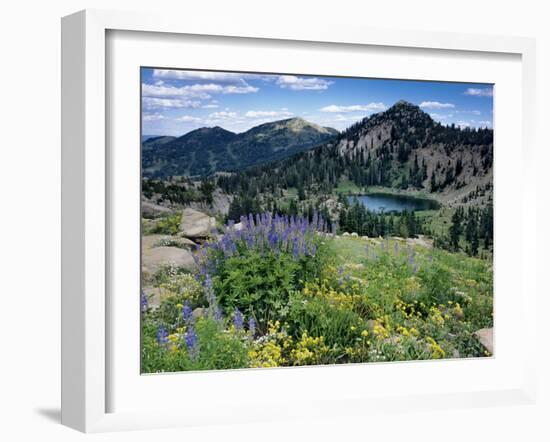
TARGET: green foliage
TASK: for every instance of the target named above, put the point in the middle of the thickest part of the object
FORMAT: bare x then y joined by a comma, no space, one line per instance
168,225
355,301
260,284
177,191
339,327
216,349
436,285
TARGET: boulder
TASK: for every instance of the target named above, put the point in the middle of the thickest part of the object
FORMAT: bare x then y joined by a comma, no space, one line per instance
185,243
150,241
152,210
354,234
485,336
199,312
156,257
175,241
345,234
195,224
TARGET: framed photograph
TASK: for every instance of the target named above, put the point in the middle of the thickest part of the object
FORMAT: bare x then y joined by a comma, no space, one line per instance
315,218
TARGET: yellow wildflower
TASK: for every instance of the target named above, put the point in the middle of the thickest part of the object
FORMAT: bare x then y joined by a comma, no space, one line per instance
435,348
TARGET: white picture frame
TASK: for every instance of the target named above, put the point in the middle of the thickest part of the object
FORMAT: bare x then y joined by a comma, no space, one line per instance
86,207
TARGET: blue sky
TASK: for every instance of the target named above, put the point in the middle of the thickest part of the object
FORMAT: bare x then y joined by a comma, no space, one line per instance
175,102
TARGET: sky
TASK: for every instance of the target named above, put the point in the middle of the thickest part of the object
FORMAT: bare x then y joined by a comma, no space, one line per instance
175,101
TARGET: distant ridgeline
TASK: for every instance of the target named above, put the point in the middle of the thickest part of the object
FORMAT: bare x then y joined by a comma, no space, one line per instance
208,150
402,147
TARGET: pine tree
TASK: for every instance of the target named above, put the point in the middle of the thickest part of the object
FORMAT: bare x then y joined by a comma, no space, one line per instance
455,230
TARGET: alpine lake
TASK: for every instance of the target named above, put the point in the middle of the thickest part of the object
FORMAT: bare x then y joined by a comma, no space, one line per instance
385,202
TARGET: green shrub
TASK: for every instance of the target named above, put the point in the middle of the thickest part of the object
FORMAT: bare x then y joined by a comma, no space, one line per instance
215,348
339,327
168,225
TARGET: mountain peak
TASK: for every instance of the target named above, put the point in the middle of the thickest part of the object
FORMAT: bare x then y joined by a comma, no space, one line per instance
403,104
401,111
210,149
212,129
294,125
297,124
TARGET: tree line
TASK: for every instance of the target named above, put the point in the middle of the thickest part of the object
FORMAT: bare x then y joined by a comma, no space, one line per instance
470,230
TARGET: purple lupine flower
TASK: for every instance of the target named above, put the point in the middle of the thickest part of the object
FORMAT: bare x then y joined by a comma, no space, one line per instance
144,302
162,335
396,247
295,249
313,250
250,241
238,319
367,251
187,313
191,341
273,239
430,258
414,269
209,290
252,326
218,315
340,275
265,232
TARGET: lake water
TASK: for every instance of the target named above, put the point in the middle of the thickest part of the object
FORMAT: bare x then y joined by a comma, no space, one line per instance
378,202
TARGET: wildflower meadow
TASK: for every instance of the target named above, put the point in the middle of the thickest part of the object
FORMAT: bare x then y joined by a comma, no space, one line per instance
284,291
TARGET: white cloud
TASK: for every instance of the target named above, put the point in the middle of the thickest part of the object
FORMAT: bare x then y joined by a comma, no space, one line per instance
435,105
463,123
485,123
437,116
151,103
371,107
153,117
475,92
211,106
239,89
197,75
474,123
199,91
223,115
269,114
476,112
300,84
188,119
219,77
337,121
